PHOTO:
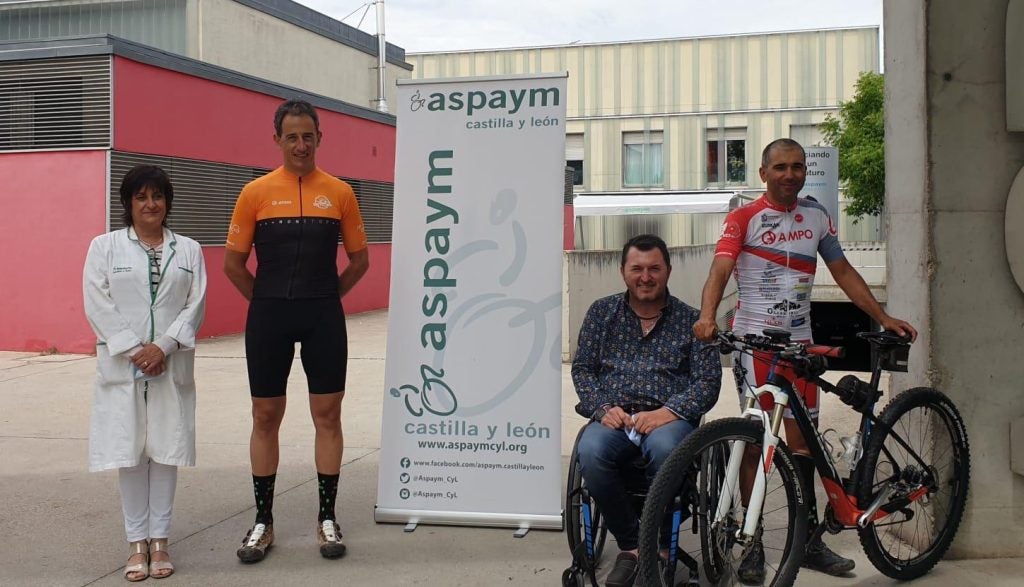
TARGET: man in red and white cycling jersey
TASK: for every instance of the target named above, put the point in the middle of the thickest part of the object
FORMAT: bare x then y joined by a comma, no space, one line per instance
771,245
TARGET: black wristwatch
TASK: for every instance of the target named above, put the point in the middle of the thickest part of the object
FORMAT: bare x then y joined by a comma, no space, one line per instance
599,414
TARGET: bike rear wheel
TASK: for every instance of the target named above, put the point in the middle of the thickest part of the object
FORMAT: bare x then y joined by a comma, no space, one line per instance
909,542
695,472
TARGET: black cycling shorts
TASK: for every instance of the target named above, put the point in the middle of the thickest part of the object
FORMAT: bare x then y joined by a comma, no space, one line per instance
272,328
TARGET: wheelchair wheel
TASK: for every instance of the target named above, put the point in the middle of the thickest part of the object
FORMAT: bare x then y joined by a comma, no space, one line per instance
574,577
585,529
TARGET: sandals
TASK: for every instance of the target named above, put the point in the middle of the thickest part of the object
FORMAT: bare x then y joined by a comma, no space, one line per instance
159,569
141,570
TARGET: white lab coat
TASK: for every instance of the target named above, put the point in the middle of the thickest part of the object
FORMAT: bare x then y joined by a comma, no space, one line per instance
130,419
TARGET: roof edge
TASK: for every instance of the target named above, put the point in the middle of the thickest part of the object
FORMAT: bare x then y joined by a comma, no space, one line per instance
326,26
111,45
656,40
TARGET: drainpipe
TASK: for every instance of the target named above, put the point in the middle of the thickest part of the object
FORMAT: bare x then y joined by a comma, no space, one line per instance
382,103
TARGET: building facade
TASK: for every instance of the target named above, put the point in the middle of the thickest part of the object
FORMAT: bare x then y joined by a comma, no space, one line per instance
77,111
276,40
676,116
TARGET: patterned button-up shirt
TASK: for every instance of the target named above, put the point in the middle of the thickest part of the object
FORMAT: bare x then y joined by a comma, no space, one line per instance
617,365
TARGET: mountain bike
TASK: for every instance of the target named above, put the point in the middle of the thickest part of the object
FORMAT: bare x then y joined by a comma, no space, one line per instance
905,491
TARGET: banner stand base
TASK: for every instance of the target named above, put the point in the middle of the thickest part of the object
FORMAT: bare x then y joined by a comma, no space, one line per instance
523,523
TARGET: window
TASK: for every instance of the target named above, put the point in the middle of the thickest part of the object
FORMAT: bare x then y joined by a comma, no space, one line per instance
641,159
808,135
727,157
574,157
55,103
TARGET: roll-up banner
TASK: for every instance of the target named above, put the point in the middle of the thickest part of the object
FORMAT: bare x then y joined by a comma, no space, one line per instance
822,180
472,426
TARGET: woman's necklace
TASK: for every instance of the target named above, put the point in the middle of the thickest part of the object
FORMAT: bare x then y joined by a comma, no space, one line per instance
152,245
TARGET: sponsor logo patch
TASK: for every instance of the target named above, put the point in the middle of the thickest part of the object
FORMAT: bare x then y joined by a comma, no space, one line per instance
783,307
322,202
771,221
730,229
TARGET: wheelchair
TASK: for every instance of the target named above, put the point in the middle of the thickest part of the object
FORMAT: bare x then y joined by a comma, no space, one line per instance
587,534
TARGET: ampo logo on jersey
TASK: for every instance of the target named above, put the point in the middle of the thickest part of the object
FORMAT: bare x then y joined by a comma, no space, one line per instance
508,101
770,238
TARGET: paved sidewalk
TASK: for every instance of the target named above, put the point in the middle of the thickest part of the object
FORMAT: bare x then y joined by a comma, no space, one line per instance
62,525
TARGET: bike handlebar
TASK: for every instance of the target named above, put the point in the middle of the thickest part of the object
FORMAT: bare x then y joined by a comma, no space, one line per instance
787,349
806,358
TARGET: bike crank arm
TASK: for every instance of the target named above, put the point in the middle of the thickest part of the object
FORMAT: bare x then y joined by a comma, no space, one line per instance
869,514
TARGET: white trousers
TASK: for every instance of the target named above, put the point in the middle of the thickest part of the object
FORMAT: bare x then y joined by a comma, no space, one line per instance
147,497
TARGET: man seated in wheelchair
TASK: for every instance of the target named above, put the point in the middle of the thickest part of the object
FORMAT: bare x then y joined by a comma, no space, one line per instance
645,381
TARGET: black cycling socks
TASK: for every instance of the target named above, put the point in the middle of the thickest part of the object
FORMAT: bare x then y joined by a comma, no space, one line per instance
263,488
805,468
328,486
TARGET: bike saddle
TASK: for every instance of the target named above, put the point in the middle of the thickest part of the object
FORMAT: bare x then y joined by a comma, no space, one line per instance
884,338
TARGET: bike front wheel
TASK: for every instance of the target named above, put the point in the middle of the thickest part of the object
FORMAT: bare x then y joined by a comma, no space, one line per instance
695,473
933,456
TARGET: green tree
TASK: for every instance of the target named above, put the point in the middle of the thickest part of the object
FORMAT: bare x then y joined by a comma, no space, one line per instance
859,133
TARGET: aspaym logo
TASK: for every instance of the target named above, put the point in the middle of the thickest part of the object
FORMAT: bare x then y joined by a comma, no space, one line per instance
416,101
322,202
503,101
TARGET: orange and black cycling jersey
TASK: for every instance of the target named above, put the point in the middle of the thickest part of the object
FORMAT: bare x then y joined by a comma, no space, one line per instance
294,223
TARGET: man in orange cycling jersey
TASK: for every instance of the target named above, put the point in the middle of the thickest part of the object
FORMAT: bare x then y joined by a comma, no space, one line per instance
294,216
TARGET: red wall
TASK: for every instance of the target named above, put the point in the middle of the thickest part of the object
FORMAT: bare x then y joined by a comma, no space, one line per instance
201,119
169,113
568,228
51,206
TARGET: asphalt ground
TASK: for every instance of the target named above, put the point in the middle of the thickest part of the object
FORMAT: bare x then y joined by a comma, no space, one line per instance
62,525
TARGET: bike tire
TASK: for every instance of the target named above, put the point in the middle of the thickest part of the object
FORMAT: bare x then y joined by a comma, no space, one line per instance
676,477
710,476
942,428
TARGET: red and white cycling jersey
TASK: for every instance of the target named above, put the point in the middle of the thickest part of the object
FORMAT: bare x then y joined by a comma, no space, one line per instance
776,253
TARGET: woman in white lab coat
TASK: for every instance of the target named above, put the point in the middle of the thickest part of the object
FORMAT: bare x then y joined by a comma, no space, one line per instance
145,294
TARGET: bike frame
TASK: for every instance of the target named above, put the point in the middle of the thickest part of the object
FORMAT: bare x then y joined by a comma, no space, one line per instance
845,507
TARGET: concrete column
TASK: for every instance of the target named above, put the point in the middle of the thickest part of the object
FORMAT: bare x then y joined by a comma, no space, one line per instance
949,165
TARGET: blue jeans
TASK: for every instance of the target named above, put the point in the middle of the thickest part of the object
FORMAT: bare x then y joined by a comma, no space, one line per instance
605,453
